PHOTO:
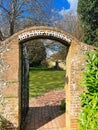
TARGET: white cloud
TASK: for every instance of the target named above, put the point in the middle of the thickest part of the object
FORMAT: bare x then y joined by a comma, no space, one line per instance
73,5
62,12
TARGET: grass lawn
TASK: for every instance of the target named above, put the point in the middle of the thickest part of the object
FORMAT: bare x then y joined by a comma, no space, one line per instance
42,80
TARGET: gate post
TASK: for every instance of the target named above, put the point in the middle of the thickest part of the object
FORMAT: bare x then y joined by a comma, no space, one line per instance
73,90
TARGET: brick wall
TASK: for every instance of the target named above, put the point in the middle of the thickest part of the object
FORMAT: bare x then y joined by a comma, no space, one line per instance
10,77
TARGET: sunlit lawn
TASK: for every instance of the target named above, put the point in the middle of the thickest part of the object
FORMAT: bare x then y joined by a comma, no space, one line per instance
44,80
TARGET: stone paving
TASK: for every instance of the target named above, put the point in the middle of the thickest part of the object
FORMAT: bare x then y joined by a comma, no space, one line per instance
45,112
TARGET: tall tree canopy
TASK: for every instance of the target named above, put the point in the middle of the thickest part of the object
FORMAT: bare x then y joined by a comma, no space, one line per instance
88,11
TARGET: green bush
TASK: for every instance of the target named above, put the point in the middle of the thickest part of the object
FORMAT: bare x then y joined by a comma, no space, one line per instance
63,105
89,99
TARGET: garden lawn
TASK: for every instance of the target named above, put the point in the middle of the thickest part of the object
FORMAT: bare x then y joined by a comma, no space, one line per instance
44,80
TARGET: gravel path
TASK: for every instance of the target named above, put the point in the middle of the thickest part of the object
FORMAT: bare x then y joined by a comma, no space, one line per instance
51,98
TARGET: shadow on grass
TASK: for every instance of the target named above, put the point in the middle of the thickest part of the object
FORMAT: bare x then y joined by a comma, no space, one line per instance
45,117
5,124
46,69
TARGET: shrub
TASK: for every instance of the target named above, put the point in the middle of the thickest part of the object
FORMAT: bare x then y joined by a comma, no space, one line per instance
89,100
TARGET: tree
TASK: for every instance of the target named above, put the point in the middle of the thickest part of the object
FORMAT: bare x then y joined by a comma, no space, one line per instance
88,11
57,50
62,53
14,12
70,23
1,36
37,52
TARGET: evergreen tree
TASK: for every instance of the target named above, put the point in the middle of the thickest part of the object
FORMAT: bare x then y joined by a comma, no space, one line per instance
88,11
37,52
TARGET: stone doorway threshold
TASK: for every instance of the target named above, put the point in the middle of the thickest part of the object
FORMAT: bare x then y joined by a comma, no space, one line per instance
45,112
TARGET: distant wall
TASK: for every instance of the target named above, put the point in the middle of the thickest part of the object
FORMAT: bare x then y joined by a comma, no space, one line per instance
52,63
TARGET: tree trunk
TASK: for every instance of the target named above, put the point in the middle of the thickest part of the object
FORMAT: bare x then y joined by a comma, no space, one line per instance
1,36
11,28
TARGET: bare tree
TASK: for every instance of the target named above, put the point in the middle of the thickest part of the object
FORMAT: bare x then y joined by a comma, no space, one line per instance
1,36
70,23
14,12
58,50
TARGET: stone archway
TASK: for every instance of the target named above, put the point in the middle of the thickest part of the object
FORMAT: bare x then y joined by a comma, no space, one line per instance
10,73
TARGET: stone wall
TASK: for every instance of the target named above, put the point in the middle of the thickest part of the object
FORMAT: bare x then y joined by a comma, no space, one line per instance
8,85
10,74
75,65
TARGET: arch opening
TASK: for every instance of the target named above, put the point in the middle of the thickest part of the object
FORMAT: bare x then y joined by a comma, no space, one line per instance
25,71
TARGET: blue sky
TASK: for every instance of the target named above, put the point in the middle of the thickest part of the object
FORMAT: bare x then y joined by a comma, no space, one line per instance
59,4
65,5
